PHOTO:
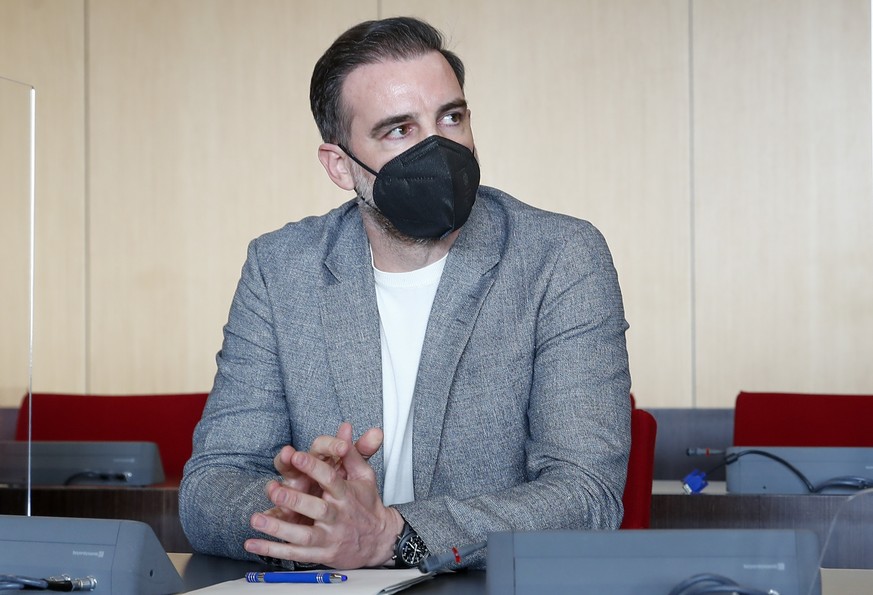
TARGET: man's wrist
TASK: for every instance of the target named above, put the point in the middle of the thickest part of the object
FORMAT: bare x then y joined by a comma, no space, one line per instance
395,528
409,549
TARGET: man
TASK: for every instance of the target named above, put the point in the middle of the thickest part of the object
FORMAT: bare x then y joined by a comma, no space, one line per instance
476,342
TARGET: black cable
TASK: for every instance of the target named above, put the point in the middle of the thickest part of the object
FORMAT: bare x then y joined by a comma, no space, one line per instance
11,582
104,476
700,584
683,587
847,482
735,589
65,583
809,485
14,582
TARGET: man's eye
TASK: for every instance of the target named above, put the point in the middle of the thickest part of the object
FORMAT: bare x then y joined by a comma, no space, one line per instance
453,118
398,131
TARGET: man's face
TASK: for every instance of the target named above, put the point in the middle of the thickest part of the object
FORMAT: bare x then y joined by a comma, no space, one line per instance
397,104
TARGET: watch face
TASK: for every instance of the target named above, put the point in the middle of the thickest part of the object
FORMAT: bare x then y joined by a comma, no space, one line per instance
412,549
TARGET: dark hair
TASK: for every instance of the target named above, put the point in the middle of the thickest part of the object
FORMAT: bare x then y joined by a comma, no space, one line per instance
398,38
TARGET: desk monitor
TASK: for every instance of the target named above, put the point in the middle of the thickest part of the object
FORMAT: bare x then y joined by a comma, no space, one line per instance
650,561
758,474
81,463
124,557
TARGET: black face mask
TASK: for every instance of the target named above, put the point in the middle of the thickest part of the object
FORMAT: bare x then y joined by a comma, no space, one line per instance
428,190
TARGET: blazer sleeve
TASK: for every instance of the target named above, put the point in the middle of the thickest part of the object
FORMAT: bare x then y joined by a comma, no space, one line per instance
244,424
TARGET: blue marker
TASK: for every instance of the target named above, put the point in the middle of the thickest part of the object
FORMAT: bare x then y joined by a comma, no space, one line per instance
295,577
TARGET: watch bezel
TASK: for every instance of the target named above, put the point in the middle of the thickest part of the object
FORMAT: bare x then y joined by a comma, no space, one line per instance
410,548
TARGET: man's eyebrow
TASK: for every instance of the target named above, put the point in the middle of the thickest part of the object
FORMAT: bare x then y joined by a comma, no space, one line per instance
456,104
389,122
392,121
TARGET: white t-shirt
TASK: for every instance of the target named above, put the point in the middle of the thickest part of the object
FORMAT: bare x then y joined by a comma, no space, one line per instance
404,301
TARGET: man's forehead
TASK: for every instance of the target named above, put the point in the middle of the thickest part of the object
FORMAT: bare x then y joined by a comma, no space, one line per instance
391,86
432,59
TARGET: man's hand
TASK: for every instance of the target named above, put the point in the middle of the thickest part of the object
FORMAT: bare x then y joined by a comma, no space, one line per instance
346,525
367,445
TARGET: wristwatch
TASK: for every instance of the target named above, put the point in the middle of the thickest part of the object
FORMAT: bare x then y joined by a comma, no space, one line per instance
409,549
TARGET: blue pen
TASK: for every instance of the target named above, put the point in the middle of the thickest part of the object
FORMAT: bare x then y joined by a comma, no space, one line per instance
295,577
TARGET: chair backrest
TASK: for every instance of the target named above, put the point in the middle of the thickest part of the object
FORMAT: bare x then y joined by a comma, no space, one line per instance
800,419
637,498
167,420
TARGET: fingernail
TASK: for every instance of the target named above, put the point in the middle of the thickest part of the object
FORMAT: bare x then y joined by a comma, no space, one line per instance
259,521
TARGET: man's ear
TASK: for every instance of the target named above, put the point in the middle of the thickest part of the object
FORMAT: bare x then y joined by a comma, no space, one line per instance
336,165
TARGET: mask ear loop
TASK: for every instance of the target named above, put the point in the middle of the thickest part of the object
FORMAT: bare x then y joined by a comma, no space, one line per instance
358,161
360,198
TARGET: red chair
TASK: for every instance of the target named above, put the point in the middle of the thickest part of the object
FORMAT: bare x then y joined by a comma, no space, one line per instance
798,419
167,420
637,498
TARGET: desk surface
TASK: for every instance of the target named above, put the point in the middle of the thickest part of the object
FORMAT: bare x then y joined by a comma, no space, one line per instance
201,571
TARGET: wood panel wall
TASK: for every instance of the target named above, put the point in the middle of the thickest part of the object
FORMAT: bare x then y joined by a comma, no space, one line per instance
723,147
783,202
201,139
42,44
15,107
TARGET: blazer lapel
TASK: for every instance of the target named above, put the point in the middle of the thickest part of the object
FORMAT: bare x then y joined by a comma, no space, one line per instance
466,280
350,318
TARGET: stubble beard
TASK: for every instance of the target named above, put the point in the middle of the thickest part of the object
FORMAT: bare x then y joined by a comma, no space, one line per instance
369,210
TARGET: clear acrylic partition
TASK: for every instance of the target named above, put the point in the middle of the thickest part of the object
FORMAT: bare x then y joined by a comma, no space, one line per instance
848,540
17,119
850,535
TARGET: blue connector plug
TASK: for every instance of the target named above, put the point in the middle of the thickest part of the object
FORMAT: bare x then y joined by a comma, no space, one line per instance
694,482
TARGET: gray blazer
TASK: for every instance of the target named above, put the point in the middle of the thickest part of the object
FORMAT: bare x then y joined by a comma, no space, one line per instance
521,406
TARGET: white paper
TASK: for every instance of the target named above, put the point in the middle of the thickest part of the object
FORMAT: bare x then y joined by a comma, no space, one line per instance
367,581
